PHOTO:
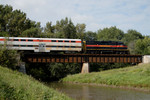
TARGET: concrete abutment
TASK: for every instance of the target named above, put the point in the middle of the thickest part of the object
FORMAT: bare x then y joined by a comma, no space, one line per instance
85,68
22,67
146,59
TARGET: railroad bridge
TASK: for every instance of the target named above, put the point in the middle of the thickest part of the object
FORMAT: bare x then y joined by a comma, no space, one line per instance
82,58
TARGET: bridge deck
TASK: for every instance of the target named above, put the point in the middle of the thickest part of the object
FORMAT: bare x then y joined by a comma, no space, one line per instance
82,58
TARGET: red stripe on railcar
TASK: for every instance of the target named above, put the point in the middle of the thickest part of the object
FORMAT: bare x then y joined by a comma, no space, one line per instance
46,40
35,40
41,40
2,39
78,41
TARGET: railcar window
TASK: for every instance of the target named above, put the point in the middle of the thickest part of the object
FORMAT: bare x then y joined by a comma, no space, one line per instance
29,45
73,47
53,40
30,40
54,46
48,46
73,41
23,45
66,41
15,45
60,46
60,40
35,45
66,46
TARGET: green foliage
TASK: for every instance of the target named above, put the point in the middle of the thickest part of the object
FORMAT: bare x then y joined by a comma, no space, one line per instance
130,39
80,29
137,76
4,34
65,29
95,67
143,46
13,22
18,86
8,58
90,36
48,31
131,36
6,12
110,34
53,71
32,32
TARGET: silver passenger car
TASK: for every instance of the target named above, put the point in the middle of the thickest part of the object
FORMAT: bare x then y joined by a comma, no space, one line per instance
42,44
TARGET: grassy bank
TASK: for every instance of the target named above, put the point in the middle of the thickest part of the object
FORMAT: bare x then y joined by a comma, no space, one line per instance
17,86
134,77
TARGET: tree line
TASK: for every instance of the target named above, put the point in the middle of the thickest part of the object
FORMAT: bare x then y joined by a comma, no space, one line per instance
14,23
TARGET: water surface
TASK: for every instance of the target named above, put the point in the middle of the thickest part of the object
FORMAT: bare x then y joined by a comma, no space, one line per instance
88,92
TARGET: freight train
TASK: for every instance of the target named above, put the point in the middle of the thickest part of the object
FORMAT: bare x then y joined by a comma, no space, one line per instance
64,45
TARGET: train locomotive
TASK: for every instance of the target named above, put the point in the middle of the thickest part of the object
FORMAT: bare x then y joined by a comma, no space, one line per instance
64,45
106,47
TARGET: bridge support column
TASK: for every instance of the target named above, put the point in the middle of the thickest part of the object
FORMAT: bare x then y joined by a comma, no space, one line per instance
85,68
22,67
146,59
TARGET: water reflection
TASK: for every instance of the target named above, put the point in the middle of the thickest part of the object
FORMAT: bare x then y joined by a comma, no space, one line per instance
87,92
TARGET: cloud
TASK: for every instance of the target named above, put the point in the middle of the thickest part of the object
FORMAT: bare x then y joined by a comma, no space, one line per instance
96,14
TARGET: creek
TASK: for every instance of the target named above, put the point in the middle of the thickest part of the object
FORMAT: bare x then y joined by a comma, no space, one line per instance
89,92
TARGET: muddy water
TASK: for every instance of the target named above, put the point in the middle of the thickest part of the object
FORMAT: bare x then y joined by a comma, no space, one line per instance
88,92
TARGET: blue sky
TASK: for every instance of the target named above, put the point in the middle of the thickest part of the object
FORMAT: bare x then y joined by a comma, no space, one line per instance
96,14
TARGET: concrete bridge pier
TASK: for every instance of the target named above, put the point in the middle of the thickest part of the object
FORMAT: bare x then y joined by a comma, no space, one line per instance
85,68
146,59
21,64
22,67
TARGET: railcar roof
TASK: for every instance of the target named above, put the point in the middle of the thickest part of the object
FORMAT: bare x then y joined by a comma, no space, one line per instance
41,38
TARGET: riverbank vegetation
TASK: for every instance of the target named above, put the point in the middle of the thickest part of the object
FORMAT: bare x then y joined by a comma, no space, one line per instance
18,86
135,77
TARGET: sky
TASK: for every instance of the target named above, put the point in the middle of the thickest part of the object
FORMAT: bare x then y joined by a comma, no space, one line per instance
96,14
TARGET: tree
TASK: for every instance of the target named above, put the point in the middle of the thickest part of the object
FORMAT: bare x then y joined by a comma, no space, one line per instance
48,30
142,46
8,58
5,16
32,32
110,34
80,29
90,36
130,38
13,22
65,29
16,23
53,71
131,35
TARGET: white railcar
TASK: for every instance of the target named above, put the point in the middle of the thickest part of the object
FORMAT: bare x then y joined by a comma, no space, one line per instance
41,44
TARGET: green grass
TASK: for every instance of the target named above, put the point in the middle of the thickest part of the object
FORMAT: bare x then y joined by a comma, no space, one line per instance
135,76
17,86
